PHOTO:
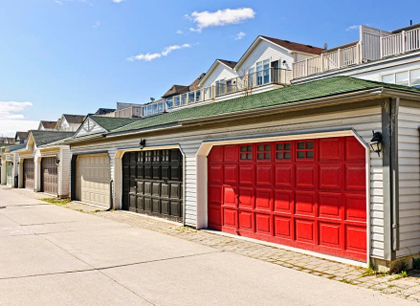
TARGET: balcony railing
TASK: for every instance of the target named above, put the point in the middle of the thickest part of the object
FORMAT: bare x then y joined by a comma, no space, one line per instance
373,45
331,60
245,84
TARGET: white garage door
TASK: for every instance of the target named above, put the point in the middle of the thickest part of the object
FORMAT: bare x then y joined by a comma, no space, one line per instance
92,179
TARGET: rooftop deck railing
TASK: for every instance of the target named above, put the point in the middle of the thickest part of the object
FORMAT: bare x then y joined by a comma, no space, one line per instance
243,84
372,46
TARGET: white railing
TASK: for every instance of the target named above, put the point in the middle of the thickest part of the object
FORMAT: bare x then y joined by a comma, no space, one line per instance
129,112
400,43
327,61
245,83
373,45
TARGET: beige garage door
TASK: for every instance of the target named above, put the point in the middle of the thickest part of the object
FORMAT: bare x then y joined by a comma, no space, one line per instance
92,179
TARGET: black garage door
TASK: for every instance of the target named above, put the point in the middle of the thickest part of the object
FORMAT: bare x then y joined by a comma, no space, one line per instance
152,183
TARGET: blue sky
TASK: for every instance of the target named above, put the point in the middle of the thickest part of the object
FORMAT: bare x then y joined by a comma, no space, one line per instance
74,56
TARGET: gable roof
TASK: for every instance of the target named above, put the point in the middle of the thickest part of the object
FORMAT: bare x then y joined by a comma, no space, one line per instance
228,64
289,45
302,92
112,123
175,90
45,137
285,44
48,124
74,118
21,135
104,111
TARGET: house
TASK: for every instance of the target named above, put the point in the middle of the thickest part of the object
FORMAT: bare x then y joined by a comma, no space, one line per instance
378,55
104,111
47,125
69,123
21,137
7,140
9,164
43,163
292,166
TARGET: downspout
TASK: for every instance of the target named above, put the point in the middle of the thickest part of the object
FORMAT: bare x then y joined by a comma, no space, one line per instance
111,197
390,177
184,171
395,176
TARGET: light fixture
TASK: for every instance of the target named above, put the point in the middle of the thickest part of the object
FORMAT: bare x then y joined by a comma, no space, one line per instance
284,62
57,161
376,142
142,143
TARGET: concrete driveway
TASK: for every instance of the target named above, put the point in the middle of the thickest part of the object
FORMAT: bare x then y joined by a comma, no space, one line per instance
50,255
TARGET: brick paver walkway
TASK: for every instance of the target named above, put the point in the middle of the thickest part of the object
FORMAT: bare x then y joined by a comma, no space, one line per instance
406,287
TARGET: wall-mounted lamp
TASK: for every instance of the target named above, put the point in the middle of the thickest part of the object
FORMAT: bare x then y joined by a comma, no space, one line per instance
57,161
142,143
376,142
284,62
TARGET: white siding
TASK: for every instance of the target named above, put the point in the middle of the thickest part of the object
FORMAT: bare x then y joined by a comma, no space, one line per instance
84,131
265,50
221,72
363,121
409,172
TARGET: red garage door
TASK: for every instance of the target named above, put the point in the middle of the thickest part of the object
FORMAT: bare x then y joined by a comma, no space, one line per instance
309,194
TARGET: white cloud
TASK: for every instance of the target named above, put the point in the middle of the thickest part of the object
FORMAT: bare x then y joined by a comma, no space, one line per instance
117,1
179,32
240,35
11,119
148,57
219,18
97,24
353,27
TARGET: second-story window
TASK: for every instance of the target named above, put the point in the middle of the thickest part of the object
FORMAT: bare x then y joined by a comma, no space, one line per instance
407,78
263,74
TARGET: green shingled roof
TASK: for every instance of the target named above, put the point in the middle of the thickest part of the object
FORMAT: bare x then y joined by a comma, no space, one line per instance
306,91
112,123
42,137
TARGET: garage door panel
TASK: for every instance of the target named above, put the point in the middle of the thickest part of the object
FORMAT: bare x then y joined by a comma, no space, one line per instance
283,227
246,220
356,207
246,197
306,176
283,201
49,175
329,235
330,176
305,203
330,205
308,194
356,238
216,173
284,176
230,218
264,199
264,175
230,174
247,174
355,177
305,230
330,149
263,224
